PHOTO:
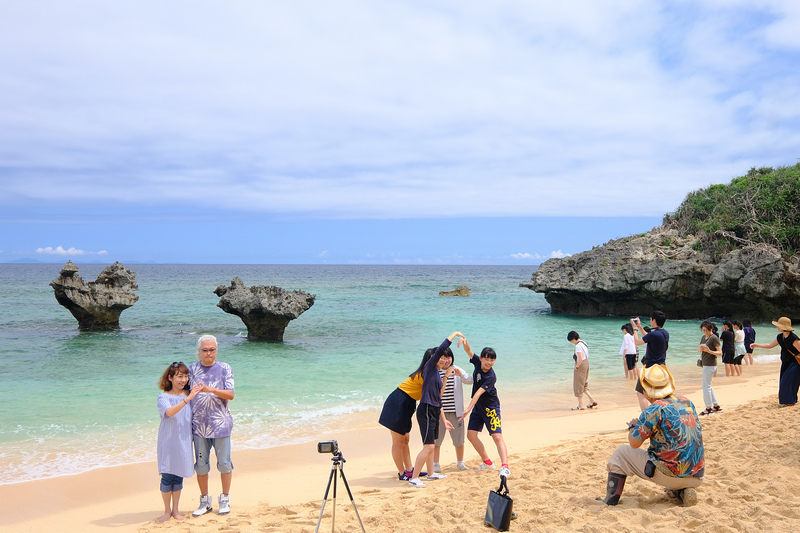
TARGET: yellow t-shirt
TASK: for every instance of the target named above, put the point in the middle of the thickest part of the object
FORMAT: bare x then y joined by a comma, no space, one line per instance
412,387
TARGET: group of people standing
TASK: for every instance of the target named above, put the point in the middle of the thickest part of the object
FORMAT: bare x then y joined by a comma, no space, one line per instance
436,384
675,457
732,346
194,413
656,339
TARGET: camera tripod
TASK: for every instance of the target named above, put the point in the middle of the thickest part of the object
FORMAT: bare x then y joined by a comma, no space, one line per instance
338,461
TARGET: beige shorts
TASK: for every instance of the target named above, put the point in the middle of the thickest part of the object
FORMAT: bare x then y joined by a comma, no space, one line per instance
630,461
456,434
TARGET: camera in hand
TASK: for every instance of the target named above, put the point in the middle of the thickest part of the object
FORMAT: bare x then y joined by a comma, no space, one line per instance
328,446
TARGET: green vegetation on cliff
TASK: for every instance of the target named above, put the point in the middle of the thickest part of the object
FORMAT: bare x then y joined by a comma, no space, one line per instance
762,206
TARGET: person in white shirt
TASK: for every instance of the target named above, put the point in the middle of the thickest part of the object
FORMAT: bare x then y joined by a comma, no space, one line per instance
580,380
629,353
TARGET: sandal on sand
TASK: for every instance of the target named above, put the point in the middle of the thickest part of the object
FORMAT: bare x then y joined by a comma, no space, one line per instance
707,411
594,404
717,409
577,409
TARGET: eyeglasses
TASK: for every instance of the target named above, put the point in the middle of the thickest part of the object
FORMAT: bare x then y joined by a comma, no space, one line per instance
176,364
208,350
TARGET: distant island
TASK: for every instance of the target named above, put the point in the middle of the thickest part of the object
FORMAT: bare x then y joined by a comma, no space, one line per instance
727,251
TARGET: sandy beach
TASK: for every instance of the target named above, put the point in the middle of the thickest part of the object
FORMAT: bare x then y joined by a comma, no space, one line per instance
557,463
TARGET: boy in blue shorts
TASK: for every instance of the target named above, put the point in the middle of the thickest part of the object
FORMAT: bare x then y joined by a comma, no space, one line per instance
487,408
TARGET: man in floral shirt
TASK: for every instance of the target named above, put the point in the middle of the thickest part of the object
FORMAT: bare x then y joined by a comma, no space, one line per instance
211,421
675,457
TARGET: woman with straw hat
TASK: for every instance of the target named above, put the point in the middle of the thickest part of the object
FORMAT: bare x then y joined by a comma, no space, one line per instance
790,368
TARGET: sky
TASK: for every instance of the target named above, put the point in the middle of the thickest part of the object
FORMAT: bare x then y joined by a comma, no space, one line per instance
378,132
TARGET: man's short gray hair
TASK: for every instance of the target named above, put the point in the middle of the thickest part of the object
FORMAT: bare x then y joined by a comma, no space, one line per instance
204,338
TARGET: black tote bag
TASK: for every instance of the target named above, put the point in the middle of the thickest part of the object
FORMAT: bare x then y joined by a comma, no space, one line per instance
498,509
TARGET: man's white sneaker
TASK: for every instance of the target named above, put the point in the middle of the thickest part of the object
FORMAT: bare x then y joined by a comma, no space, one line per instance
205,505
436,476
461,465
224,504
484,466
437,467
504,471
416,483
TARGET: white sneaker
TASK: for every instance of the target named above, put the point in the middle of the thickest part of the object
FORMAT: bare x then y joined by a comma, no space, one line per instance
436,476
224,504
205,505
484,466
436,467
504,471
416,483
461,465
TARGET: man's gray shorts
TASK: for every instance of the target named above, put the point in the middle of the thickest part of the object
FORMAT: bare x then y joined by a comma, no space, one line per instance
202,450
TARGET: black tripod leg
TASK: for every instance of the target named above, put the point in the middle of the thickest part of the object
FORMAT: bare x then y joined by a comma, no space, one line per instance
333,516
352,500
325,498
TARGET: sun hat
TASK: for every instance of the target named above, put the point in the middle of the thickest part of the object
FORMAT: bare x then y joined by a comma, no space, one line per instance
657,382
783,323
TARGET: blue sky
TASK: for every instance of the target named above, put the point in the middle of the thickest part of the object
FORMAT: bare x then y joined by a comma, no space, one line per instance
378,132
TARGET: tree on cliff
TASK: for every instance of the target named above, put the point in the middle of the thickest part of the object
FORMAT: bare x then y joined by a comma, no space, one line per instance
762,206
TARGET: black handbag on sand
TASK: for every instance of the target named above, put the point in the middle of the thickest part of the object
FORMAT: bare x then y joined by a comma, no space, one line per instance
498,509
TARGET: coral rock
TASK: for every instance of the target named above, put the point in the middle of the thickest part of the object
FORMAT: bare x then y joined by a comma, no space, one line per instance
662,270
266,311
461,290
98,304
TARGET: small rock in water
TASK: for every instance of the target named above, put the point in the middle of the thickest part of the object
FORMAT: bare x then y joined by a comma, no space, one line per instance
461,290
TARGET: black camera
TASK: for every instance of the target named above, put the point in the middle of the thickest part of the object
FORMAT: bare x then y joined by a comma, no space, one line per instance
329,446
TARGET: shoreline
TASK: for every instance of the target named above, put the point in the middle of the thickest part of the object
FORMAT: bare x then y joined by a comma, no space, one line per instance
292,478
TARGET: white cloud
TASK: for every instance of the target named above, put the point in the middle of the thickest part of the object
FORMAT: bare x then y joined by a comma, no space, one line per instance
59,250
526,255
357,109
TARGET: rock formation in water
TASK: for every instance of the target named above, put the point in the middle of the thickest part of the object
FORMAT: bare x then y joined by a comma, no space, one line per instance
663,270
266,311
98,304
461,290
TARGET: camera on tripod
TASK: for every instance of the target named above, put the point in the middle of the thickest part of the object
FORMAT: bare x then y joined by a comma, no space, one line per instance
332,447
328,446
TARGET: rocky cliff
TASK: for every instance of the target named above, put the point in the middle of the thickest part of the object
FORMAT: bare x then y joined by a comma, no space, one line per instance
266,311
98,304
664,270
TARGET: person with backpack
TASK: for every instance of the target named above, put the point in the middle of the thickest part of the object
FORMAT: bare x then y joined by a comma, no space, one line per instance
580,376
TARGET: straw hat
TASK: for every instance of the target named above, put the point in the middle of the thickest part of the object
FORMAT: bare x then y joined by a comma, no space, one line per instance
657,382
784,324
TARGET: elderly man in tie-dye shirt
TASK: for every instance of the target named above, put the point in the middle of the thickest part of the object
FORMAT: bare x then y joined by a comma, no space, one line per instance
675,458
211,421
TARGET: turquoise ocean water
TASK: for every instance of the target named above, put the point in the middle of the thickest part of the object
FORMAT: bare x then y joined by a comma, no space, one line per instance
73,401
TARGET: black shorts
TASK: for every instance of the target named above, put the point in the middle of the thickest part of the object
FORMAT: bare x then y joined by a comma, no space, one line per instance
485,416
727,358
398,409
630,360
738,360
428,420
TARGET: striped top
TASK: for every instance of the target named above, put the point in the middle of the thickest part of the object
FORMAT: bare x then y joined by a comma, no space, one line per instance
448,398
